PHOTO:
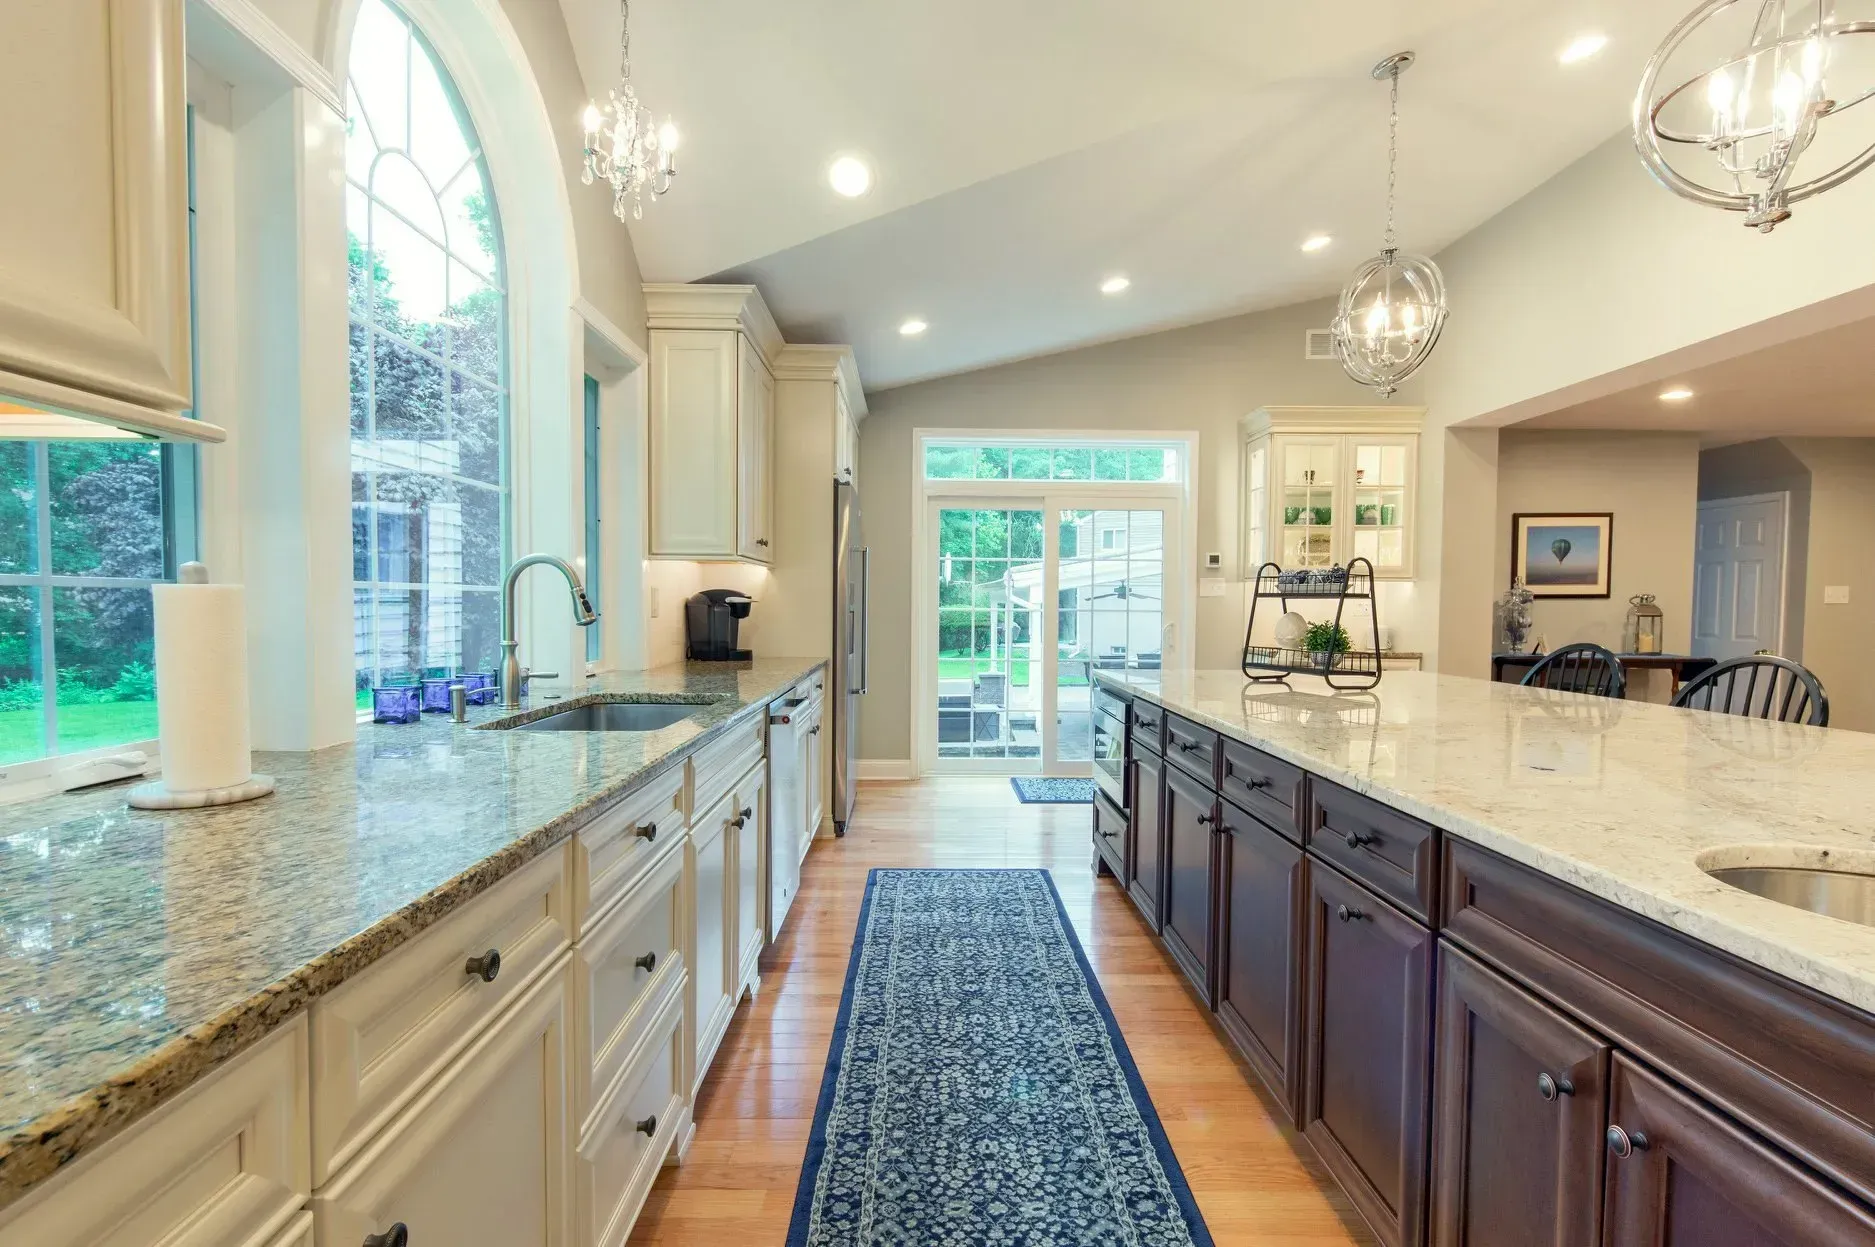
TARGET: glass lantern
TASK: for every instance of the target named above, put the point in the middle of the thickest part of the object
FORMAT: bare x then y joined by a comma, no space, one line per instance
1646,626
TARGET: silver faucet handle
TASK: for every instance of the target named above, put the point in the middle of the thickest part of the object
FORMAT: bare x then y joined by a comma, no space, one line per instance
527,673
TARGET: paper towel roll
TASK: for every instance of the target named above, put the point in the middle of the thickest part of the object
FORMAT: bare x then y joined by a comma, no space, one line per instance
201,685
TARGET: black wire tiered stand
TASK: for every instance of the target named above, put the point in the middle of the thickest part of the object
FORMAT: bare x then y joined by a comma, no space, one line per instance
1344,670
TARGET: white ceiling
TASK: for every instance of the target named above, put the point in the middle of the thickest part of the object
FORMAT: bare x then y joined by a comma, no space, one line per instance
1820,385
1024,151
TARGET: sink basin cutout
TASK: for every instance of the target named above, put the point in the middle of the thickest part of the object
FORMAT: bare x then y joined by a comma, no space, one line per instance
615,716
1837,883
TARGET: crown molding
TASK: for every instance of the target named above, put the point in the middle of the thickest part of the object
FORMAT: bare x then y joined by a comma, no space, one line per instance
824,362
1335,420
692,305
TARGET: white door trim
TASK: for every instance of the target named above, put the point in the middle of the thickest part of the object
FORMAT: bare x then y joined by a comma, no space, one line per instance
1782,498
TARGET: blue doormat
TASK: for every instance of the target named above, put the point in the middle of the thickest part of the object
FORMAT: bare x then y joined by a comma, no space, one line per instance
1034,790
978,1089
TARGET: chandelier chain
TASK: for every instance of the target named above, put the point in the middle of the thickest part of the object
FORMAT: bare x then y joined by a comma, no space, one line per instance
1393,151
625,40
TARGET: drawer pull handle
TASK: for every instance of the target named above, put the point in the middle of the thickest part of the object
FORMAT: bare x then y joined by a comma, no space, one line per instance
1189,746
741,820
814,730
1256,784
1203,819
397,1236
648,962
648,1127
1358,840
1549,1087
646,831
1347,913
1624,1145
485,967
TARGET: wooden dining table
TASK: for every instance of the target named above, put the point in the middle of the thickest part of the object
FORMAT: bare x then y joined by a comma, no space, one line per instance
1511,668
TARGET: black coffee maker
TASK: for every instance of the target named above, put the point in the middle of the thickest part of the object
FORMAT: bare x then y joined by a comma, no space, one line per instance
713,618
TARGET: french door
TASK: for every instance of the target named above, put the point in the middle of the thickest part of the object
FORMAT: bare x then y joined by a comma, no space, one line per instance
1030,594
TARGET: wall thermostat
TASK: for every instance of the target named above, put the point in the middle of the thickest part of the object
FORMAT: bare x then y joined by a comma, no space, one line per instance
1213,562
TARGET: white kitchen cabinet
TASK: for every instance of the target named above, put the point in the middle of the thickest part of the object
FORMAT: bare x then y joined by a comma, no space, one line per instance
94,269
711,945
1324,485
750,828
813,762
225,1164
710,429
631,1134
482,1156
846,443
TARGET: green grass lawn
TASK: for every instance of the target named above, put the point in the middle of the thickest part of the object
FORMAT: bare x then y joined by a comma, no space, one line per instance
80,728
955,666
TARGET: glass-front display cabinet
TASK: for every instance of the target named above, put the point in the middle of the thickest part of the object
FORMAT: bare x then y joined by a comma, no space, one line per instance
1322,485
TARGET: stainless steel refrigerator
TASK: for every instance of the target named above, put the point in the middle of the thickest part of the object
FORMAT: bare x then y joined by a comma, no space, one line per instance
852,573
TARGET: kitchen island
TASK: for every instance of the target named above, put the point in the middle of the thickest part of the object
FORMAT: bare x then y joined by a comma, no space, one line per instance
1465,933
145,952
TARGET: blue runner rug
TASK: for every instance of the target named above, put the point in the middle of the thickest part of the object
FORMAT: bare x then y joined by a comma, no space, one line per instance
978,1089
1047,790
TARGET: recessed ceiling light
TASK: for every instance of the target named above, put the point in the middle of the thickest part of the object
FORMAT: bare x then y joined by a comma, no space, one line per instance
913,327
1678,394
1583,48
1315,242
850,176
1113,285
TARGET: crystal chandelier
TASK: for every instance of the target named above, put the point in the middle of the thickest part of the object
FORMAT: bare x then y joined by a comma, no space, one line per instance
1756,113
623,144
1393,308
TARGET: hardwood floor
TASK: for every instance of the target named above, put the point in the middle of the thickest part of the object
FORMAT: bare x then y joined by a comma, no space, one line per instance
1254,1179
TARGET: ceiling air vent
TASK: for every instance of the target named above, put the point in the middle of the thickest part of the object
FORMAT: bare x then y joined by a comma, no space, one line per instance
1318,344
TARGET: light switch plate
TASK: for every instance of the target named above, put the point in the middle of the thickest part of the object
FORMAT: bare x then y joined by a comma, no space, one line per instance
1835,595
1211,587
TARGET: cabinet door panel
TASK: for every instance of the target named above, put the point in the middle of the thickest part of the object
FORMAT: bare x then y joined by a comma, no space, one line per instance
1516,1160
1145,876
755,419
712,934
694,450
482,1157
1367,1059
94,285
751,802
1261,881
1693,1179
1190,846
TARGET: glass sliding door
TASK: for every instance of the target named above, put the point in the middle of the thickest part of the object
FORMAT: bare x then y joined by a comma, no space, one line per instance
1111,612
990,571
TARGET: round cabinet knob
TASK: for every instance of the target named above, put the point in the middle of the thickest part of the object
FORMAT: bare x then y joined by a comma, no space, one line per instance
1550,1087
649,962
485,967
648,1127
1203,819
397,1236
646,831
1356,840
1623,1144
1259,783
1347,913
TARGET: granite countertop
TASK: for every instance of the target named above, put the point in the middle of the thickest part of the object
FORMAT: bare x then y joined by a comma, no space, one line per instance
138,949
1623,799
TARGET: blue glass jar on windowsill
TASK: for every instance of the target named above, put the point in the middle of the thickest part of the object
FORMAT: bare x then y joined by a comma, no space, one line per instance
399,703
479,687
436,693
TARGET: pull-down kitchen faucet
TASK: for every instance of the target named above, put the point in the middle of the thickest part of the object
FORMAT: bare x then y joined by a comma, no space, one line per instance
583,615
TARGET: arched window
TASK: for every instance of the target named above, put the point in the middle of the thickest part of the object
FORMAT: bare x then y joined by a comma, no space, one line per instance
429,348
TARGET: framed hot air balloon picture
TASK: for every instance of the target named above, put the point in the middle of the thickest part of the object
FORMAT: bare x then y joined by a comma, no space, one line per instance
1563,556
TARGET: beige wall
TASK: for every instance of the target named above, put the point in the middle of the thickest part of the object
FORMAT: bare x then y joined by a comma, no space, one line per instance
1769,467
1651,483
1842,517
1203,379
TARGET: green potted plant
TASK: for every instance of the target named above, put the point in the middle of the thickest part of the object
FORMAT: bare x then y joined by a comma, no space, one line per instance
1325,642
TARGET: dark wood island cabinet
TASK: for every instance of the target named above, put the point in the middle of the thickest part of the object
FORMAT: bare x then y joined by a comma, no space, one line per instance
1481,1055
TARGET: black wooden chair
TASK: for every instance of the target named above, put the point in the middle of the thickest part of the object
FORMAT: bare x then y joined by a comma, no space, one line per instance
1772,688
1580,668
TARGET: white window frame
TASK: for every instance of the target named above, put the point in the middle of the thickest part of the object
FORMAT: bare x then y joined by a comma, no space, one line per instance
1179,498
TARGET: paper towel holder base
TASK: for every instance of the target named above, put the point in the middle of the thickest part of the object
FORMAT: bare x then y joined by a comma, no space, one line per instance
157,796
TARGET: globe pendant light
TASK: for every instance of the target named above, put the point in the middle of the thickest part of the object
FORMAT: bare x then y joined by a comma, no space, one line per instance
1755,115
1393,308
624,146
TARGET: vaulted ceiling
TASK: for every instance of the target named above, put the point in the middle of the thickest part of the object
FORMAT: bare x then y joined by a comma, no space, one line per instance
1022,152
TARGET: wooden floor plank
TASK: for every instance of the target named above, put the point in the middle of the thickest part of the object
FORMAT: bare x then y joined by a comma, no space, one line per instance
1254,1180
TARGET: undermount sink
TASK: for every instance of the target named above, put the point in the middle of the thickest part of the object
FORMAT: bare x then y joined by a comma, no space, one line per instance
615,716
1833,883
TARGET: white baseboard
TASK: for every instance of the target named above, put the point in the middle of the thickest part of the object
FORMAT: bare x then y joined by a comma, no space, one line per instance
886,769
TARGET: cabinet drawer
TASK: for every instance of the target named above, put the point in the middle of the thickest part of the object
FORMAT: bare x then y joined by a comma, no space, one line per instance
1264,786
1393,854
716,767
611,852
1148,726
379,1038
1110,835
632,1134
625,970
1262,893
222,1165
1191,748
